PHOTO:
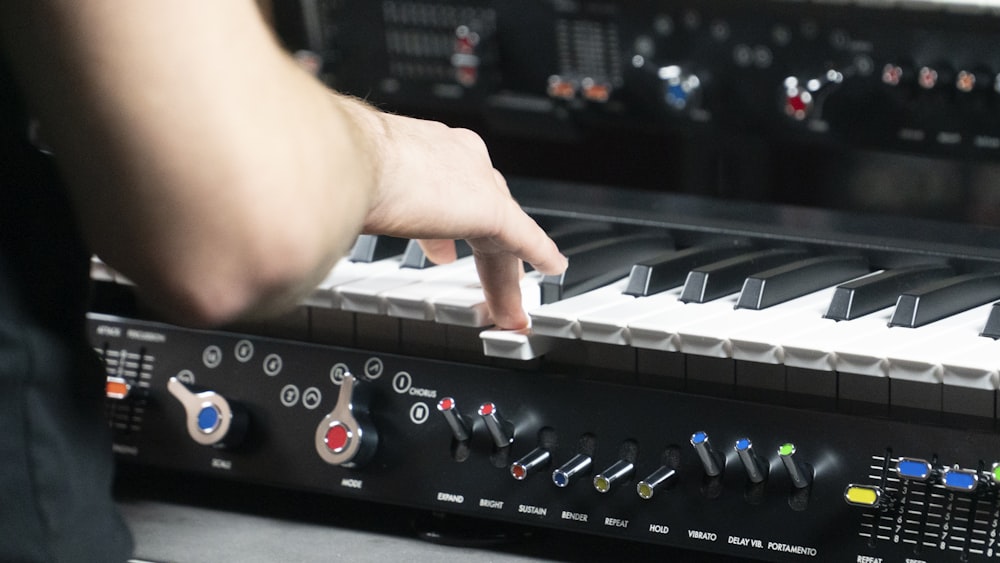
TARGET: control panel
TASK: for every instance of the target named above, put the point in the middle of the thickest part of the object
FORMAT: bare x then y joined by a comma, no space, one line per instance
877,106
542,449
908,76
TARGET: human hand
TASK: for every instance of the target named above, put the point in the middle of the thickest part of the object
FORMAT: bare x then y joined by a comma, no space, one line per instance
437,184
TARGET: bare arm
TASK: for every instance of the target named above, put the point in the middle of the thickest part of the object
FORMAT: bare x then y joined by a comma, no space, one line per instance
222,179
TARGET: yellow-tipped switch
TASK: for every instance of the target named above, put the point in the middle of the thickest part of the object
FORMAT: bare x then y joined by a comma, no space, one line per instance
863,495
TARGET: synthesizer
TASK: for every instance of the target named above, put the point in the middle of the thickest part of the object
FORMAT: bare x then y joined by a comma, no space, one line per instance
777,337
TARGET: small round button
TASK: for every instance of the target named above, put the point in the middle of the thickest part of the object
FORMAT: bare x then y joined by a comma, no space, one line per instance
209,418
338,437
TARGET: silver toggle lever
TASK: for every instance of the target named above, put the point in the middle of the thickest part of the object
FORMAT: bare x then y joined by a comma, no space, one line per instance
345,436
211,419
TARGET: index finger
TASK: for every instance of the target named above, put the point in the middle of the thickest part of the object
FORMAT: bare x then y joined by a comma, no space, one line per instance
521,236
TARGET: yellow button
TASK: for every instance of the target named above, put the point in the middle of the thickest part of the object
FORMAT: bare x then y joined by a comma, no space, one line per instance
862,495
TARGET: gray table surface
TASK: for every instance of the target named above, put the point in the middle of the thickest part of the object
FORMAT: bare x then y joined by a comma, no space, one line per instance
166,532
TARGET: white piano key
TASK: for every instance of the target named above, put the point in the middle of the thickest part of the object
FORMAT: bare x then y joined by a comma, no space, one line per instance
712,337
515,344
467,306
610,324
367,295
417,300
561,318
923,358
327,294
870,354
763,341
813,343
816,348
659,330
767,342
975,366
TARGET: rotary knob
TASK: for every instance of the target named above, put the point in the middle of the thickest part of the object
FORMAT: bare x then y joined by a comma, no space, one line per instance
211,419
345,436
803,96
682,90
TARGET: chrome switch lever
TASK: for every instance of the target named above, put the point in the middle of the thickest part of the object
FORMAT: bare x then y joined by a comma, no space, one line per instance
346,436
755,467
211,419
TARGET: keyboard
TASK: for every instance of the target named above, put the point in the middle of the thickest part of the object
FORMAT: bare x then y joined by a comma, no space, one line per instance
777,338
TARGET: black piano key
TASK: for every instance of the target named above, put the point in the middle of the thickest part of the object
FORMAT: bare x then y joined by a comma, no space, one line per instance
671,269
572,232
370,248
943,298
571,235
571,238
783,283
722,278
869,294
414,257
992,329
566,234
600,263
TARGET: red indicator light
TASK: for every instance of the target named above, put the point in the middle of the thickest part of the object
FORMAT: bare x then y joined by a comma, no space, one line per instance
337,437
798,103
892,74
487,409
927,78
446,404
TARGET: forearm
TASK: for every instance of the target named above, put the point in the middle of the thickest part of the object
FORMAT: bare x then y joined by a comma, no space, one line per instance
223,179
160,119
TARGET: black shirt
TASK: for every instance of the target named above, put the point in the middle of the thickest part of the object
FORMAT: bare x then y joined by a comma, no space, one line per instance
55,453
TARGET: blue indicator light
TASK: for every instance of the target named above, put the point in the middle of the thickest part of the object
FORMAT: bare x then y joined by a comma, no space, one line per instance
960,479
677,96
208,419
559,478
743,444
699,438
916,469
